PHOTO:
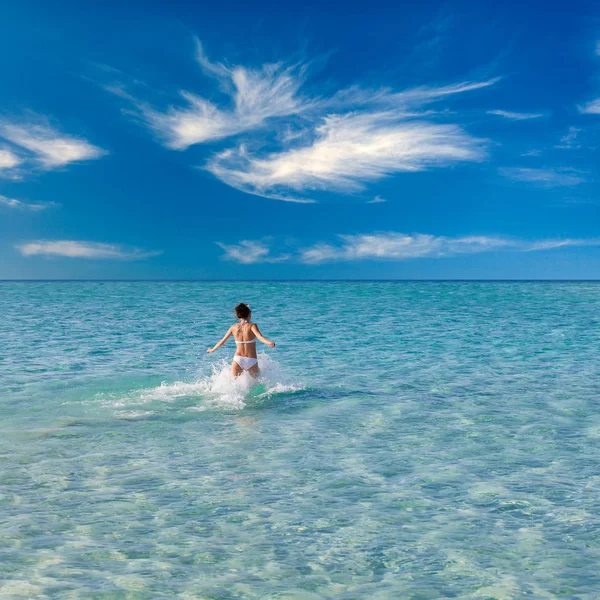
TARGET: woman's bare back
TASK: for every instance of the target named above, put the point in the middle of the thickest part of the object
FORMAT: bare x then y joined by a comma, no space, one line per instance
245,339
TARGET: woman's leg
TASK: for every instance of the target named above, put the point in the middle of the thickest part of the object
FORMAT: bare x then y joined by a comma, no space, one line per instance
254,371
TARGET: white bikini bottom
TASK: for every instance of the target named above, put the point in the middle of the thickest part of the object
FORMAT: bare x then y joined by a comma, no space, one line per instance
245,361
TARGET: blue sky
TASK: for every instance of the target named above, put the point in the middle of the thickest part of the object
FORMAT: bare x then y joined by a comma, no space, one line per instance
317,140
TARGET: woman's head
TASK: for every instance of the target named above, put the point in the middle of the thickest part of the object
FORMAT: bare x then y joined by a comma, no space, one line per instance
242,311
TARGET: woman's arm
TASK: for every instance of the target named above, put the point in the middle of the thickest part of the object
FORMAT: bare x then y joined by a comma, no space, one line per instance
225,338
260,336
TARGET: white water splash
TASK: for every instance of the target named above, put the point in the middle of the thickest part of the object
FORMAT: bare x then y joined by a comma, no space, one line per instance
219,389
223,390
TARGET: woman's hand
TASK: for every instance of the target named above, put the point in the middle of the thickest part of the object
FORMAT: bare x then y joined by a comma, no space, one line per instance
271,344
210,350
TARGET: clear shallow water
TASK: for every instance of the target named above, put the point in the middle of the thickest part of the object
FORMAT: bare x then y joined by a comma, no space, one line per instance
410,440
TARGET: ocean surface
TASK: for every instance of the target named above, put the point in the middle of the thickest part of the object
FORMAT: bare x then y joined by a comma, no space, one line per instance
408,441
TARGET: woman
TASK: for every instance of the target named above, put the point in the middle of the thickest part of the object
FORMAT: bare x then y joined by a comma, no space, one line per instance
245,335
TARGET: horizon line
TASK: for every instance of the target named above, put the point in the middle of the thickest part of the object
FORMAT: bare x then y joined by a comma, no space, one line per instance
457,280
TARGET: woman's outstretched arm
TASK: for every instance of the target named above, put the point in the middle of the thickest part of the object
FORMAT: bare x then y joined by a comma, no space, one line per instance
225,338
260,336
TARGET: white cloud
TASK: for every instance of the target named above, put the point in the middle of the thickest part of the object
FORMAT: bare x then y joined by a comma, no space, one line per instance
544,177
515,116
49,147
200,122
348,151
337,142
376,200
255,95
398,246
591,108
78,249
248,252
393,246
8,159
258,95
18,204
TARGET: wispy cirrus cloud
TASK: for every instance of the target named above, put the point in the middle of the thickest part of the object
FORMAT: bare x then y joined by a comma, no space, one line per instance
20,205
344,151
82,249
307,143
248,252
516,116
48,147
394,246
376,200
347,152
544,177
255,96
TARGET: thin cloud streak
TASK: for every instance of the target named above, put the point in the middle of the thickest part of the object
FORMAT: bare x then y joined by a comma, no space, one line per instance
424,94
81,249
50,148
392,246
19,205
356,96
515,116
551,244
398,246
544,177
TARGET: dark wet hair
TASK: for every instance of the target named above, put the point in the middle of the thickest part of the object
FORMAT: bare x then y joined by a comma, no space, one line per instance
242,311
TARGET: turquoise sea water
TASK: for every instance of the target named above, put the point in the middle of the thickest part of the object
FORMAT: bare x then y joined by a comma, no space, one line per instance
409,440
